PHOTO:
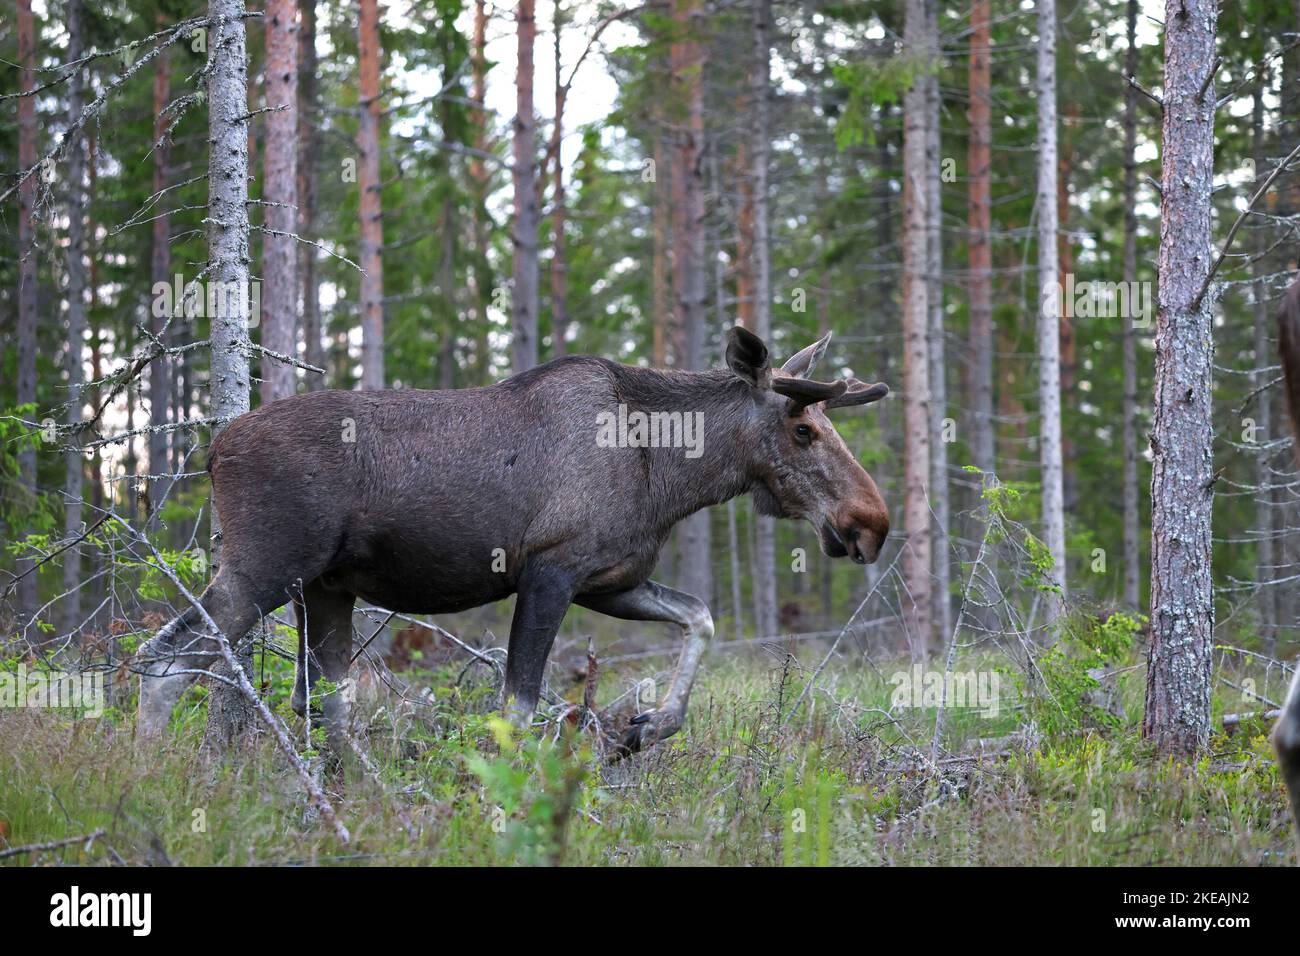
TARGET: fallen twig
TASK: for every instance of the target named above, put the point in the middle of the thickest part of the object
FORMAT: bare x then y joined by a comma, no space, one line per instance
88,839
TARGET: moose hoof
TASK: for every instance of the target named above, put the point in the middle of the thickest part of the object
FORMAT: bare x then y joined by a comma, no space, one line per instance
646,730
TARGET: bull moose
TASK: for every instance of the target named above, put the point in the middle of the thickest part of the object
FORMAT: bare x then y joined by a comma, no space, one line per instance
438,501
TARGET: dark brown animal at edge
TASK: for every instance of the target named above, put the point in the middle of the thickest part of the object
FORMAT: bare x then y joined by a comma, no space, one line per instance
1286,734
437,501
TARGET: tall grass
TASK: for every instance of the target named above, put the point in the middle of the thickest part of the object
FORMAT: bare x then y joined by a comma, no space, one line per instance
847,779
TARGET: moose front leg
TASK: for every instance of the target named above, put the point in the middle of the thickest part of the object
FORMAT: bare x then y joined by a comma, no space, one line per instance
655,602
1286,739
543,597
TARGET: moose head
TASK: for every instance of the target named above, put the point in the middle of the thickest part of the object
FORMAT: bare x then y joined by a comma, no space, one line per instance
801,466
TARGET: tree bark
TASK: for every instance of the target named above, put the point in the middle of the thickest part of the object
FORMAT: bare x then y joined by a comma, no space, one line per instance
228,268
1132,555
1049,342
450,228
916,600
1266,552
1065,324
661,223
524,298
308,148
28,594
1177,716
280,192
720,321
766,591
689,254
481,277
559,254
371,207
160,267
979,215
75,464
934,293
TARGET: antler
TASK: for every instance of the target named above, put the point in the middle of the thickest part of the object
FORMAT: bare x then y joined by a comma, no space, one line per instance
859,393
803,392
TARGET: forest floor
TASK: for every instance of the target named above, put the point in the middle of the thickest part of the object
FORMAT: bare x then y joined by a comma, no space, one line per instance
842,781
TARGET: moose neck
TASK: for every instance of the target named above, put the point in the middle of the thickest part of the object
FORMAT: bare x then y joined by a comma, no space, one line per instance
712,412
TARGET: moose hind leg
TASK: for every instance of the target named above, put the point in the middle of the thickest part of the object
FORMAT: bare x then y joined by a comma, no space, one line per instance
171,660
650,601
1286,739
302,662
326,617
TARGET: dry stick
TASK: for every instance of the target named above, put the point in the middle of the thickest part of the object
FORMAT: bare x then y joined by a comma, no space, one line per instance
1271,661
371,639
285,359
1232,233
150,429
1232,720
952,645
278,730
1210,74
88,839
93,110
1253,73
1250,693
325,249
441,632
1132,81
53,554
812,680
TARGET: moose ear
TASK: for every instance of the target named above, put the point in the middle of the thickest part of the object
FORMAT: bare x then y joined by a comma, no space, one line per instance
747,357
802,363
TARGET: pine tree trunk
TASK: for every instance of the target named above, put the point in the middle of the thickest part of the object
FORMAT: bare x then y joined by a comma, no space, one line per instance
979,215
481,277
280,192
312,334
228,267
559,254
938,363
524,298
1049,342
766,592
1065,324
98,587
661,223
1177,714
447,288
1132,554
719,322
160,267
714,244
75,464
28,598
371,207
1266,552
688,261
917,601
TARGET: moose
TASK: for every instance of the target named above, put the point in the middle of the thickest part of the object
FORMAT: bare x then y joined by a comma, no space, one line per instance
1286,733
433,502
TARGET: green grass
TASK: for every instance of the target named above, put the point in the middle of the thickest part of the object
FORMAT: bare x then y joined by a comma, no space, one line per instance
841,783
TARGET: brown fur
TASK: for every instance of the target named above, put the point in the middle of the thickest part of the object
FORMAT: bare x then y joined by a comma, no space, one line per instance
1286,735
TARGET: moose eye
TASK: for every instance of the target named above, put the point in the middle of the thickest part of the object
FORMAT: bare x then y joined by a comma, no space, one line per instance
804,433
